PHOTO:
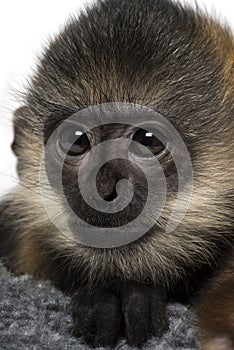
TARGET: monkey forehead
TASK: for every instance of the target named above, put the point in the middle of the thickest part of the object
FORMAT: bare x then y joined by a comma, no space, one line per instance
110,116
150,52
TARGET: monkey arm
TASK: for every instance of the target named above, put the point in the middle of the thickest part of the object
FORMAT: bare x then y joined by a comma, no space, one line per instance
216,311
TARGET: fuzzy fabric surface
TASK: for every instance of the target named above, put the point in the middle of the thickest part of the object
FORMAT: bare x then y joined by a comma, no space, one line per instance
35,315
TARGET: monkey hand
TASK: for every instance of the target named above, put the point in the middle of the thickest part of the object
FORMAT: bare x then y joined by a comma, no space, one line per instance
144,312
97,316
102,316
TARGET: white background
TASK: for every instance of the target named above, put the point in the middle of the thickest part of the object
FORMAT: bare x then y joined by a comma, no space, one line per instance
24,26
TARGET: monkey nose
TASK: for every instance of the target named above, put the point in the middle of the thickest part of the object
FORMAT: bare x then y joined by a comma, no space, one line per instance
110,197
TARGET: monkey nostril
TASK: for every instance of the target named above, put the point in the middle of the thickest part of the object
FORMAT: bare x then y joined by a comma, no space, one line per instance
111,196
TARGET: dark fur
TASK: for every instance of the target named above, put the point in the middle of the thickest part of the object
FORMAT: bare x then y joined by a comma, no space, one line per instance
155,53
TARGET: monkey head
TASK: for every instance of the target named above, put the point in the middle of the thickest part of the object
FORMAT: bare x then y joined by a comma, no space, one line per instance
116,81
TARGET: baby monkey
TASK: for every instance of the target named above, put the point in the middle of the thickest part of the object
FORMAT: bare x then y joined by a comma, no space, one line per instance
118,59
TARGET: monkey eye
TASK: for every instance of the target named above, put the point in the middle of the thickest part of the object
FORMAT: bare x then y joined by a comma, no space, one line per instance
145,141
73,141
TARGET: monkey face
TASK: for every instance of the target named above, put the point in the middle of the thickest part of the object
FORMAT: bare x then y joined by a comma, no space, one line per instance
73,146
107,177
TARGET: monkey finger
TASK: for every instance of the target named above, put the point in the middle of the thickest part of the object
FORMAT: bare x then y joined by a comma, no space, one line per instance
159,323
135,308
108,323
84,324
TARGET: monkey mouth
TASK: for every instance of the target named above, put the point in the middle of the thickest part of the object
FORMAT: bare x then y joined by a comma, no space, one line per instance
97,233
102,220
83,214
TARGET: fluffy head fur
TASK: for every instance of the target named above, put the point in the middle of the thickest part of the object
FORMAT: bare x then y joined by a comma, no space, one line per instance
154,53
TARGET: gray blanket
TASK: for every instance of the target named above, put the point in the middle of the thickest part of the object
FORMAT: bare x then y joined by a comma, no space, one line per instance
35,315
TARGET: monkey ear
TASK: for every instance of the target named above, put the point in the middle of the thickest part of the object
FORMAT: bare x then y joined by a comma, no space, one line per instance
19,121
19,125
